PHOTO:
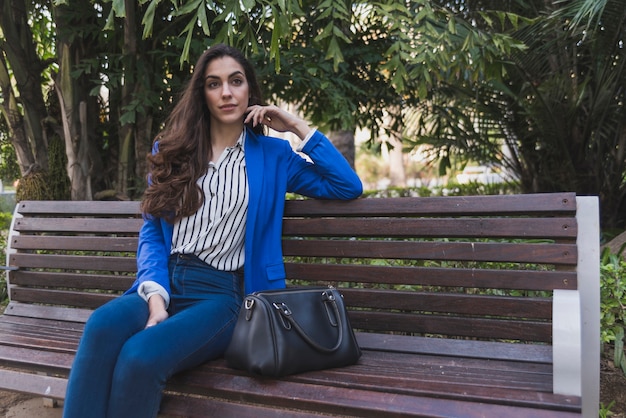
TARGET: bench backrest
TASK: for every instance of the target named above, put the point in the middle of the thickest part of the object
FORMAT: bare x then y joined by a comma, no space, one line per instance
67,258
480,266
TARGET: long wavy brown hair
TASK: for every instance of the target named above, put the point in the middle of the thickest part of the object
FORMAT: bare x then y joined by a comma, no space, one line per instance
184,145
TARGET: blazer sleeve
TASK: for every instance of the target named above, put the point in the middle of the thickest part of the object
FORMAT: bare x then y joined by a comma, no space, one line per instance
153,250
327,176
153,253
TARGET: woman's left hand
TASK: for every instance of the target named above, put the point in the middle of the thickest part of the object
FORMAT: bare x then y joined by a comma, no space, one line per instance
277,119
157,311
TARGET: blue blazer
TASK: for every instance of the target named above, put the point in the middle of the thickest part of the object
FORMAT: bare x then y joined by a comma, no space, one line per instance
273,170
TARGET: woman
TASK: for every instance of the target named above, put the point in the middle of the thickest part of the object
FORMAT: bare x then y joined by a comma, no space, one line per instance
212,233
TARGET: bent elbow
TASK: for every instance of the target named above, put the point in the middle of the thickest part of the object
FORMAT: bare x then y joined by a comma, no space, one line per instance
354,191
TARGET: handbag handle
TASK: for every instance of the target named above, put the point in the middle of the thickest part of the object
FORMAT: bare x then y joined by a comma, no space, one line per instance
328,298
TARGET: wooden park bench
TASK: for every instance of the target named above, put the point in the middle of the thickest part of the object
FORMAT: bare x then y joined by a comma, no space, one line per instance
481,306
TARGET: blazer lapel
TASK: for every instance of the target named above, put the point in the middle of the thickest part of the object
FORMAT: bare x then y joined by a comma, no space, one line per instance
254,167
254,157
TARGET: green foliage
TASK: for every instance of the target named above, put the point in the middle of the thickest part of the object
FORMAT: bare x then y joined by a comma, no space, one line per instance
5,223
9,169
452,189
605,410
475,188
555,115
7,202
613,304
480,91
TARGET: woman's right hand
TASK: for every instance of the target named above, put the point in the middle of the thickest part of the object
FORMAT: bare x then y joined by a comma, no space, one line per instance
158,313
277,119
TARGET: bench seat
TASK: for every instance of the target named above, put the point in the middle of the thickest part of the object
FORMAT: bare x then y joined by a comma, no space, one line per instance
463,307
404,368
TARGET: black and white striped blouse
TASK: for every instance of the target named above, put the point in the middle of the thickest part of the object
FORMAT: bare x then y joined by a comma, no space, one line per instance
216,232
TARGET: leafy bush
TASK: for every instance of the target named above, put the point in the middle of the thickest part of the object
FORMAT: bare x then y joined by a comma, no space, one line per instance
451,189
613,304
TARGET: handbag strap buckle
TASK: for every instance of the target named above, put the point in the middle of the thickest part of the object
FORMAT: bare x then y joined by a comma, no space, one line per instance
328,295
284,309
285,314
248,304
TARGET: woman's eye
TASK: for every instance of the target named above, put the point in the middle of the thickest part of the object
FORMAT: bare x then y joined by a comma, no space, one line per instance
237,81
212,85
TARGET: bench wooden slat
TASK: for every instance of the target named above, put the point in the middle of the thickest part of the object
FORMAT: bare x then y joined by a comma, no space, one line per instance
453,303
433,276
40,329
531,353
78,208
45,386
78,225
452,326
82,243
61,297
60,326
482,371
37,343
36,338
105,282
547,228
190,407
510,205
565,254
48,312
37,360
73,262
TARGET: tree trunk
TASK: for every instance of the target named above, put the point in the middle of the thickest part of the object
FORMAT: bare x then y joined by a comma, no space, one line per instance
134,139
15,121
143,146
73,113
127,131
79,110
344,141
397,173
27,68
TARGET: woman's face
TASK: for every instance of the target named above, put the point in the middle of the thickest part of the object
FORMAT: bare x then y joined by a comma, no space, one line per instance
226,91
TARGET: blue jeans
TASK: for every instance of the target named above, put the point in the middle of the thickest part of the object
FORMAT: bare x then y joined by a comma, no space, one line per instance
121,368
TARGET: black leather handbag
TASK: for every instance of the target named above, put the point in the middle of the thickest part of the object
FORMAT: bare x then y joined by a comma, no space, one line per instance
287,331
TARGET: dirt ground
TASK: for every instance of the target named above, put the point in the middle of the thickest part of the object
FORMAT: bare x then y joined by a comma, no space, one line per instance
14,405
612,389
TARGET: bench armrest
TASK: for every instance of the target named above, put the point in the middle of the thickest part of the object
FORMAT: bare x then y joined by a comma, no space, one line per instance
588,217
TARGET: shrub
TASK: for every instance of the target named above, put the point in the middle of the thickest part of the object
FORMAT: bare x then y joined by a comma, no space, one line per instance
613,304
